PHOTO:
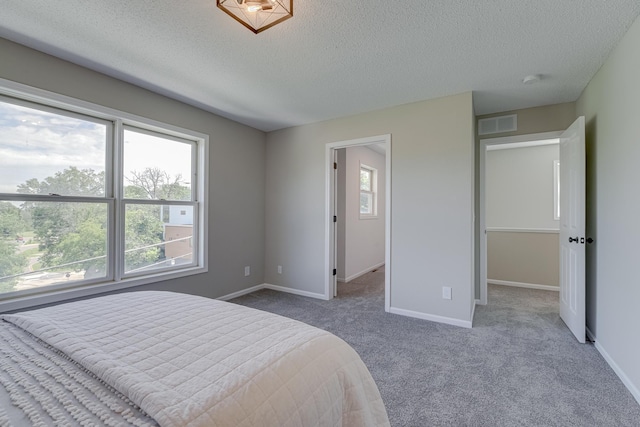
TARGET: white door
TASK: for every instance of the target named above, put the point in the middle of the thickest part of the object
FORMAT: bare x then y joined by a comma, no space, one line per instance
572,229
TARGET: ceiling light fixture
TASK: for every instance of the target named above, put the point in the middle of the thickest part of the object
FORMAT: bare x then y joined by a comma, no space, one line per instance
257,15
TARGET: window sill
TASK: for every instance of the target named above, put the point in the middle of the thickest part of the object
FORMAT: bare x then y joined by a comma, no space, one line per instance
368,216
51,297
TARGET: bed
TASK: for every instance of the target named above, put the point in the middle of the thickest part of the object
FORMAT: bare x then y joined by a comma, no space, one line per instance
170,359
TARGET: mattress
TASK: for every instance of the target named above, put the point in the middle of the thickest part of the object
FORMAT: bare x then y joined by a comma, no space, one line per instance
188,360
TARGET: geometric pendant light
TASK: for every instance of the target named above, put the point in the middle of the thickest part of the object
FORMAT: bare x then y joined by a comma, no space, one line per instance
257,15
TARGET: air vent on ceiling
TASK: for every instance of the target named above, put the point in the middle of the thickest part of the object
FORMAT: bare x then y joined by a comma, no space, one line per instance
498,124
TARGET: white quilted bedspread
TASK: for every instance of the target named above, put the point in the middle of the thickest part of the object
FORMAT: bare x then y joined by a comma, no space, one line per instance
194,361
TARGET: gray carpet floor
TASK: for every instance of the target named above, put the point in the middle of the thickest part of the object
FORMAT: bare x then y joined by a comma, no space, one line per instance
518,366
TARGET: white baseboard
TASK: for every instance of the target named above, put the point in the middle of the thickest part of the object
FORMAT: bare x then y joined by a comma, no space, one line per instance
241,293
431,317
294,291
524,285
362,273
635,392
274,288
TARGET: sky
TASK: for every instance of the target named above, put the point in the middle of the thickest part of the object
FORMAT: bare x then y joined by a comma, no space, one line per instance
37,144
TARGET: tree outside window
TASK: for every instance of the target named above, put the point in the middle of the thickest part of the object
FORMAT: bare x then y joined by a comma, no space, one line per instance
68,218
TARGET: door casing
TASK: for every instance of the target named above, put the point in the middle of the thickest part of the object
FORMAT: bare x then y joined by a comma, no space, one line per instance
484,143
330,211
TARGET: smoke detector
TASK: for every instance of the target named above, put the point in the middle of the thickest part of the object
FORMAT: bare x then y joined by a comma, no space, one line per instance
532,78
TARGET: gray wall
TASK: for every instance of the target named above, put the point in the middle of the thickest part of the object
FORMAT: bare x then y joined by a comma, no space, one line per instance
519,187
363,238
524,258
611,106
432,202
236,188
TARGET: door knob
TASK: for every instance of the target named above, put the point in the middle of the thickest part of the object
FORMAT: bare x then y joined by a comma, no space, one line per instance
590,240
573,239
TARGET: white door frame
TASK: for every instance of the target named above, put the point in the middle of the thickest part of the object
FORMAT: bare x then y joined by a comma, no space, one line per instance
521,141
330,241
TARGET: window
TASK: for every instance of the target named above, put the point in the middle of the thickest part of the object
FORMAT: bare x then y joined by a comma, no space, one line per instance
94,197
556,189
368,187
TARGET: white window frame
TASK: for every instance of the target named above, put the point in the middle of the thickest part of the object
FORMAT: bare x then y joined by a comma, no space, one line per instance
556,189
117,120
373,192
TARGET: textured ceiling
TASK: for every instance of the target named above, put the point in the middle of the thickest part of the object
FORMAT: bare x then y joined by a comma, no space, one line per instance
333,58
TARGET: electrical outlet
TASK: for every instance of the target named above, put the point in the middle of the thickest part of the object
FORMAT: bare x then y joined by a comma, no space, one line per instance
279,269
446,292
247,270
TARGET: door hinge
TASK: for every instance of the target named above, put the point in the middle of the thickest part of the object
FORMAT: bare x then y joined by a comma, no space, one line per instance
335,218
335,165
335,271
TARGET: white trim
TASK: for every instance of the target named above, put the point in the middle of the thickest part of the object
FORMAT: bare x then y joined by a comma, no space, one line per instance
430,317
362,273
241,293
524,285
484,144
522,230
273,288
329,244
556,190
524,139
633,389
295,291
526,144
28,301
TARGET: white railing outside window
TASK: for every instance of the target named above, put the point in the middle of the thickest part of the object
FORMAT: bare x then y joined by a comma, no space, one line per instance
93,197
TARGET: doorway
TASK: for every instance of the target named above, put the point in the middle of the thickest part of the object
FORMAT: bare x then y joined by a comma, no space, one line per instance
571,216
510,228
333,217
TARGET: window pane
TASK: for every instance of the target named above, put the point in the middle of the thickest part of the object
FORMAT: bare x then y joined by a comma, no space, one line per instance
155,167
43,152
365,203
47,243
365,179
157,236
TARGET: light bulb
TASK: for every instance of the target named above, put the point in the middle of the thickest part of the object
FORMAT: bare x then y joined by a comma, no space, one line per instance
253,6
